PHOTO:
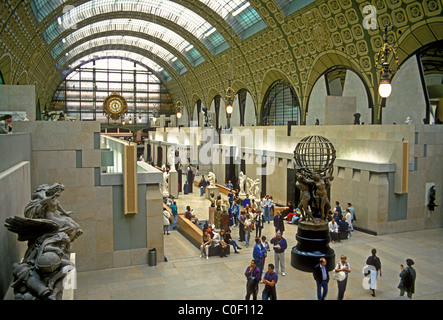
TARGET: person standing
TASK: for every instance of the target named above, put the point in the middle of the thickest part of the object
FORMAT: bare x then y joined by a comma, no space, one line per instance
246,202
374,270
280,246
252,275
407,279
247,227
321,277
352,211
258,223
235,210
202,185
166,217
241,225
5,124
257,254
270,280
267,209
174,211
279,223
348,218
342,266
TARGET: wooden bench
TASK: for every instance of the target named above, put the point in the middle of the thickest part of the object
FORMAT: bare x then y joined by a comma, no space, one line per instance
194,234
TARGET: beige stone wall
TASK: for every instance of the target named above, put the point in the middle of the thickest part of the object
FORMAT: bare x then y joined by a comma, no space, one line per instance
18,98
54,146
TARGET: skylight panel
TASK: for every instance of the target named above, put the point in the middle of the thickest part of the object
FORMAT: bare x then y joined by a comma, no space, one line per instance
171,11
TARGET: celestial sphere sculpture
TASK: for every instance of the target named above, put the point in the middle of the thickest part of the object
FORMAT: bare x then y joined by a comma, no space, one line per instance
314,154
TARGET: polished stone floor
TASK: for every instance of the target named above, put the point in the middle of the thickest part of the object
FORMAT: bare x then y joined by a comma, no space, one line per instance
187,276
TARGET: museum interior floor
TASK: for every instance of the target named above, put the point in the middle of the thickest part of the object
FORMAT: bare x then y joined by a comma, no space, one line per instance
187,276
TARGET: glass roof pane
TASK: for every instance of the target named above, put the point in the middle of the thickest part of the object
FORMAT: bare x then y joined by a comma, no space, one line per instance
142,60
290,6
239,14
130,41
42,8
169,10
135,25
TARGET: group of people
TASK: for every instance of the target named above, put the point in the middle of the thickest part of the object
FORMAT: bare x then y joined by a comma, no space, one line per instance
340,222
372,271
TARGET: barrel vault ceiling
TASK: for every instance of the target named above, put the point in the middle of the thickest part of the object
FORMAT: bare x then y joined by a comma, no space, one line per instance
196,46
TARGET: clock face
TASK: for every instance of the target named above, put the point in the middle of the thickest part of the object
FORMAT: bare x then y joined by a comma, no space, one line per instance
115,106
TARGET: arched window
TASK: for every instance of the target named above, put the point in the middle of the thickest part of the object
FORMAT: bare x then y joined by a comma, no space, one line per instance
80,96
281,105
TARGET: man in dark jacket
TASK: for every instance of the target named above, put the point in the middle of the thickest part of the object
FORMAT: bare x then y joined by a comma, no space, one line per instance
407,279
321,276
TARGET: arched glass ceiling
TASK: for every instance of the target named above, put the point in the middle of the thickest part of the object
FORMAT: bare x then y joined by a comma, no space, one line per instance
168,10
129,41
237,13
118,54
290,6
136,25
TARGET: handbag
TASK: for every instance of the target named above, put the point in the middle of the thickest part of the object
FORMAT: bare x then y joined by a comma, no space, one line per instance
339,276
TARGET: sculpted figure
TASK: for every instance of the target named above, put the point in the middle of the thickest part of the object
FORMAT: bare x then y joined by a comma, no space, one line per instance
241,182
211,179
49,230
305,196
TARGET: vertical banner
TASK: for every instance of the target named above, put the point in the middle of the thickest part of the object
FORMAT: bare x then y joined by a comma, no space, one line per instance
405,168
130,179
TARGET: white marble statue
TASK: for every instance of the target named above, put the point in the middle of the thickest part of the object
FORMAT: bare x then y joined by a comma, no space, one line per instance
241,183
164,188
211,179
254,189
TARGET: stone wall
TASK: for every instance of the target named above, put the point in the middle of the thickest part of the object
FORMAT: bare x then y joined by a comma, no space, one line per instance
15,194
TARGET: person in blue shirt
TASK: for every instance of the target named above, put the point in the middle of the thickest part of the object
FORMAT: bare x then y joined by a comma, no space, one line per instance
230,197
321,277
258,253
270,280
246,201
174,211
235,211
229,185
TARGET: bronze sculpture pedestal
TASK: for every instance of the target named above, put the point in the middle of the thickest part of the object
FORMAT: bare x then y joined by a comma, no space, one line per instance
312,244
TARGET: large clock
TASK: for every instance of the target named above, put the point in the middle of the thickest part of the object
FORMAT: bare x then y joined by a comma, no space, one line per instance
115,106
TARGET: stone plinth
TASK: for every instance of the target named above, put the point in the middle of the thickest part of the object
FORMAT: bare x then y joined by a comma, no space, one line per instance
312,244
173,183
210,189
211,219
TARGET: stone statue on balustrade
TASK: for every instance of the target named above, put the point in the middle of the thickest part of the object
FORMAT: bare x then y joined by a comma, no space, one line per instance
49,231
211,179
241,183
164,186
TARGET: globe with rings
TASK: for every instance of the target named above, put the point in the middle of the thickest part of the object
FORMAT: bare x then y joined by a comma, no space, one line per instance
314,154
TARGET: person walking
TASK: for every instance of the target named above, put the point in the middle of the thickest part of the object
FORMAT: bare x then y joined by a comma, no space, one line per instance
252,275
407,279
267,208
270,280
321,277
342,268
375,268
280,246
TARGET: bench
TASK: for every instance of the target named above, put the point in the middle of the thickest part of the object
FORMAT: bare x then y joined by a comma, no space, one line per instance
194,234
